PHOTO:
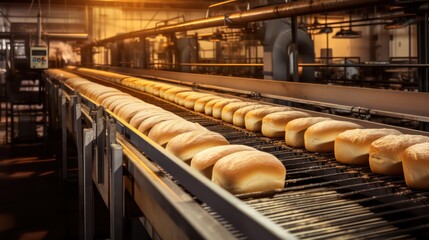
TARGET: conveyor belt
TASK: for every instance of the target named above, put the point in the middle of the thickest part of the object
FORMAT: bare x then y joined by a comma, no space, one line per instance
323,198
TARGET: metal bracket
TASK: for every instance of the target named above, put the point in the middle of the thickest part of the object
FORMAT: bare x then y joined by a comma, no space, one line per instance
361,113
256,95
116,192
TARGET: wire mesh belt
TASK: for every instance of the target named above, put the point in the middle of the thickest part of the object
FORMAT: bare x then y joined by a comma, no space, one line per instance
323,198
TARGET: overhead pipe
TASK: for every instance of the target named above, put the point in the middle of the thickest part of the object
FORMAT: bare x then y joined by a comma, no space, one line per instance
39,28
290,9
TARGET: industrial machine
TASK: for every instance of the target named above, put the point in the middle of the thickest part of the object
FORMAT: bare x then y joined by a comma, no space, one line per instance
39,57
322,198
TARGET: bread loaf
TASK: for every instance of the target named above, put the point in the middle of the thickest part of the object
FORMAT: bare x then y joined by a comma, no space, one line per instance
249,171
162,132
125,103
320,137
208,108
352,146
238,117
200,104
415,161
190,100
170,94
109,100
164,88
180,97
186,145
147,124
229,110
101,97
385,154
295,129
253,119
139,117
217,107
205,160
274,124
127,112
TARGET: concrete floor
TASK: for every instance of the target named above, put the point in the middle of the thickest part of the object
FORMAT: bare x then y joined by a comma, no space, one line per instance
32,203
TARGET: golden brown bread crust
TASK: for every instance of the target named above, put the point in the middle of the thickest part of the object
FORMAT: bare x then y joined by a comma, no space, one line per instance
208,107
170,94
163,132
186,145
415,161
139,117
253,119
190,100
147,124
385,154
320,137
217,107
229,110
200,104
295,129
205,160
180,97
352,146
239,115
249,171
273,124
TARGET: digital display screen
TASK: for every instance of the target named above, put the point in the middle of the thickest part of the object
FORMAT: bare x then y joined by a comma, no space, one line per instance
38,52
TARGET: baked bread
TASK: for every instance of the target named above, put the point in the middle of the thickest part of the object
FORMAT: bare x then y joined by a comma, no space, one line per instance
180,97
253,119
415,161
190,100
162,132
295,129
139,117
170,94
186,145
205,160
385,154
200,104
229,110
273,125
320,137
147,124
217,107
238,117
249,171
133,108
208,107
126,103
352,146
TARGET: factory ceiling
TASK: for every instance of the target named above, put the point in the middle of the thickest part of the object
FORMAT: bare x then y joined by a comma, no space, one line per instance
152,4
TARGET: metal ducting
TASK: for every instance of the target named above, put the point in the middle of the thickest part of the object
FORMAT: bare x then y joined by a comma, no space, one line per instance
289,9
278,40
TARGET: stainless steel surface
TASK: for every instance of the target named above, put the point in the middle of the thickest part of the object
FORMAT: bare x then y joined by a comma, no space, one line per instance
377,100
85,173
322,199
116,193
289,9
164,203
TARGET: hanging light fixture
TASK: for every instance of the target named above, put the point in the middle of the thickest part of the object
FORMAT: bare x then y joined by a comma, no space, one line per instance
400,22
325,29
347,33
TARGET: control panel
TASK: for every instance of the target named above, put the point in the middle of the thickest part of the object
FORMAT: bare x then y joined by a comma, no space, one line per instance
39,57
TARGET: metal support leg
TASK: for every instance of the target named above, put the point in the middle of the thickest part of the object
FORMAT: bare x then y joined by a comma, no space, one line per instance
88,193
64,160
116,193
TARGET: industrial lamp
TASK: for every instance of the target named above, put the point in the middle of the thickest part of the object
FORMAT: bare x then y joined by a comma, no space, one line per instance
400,22
325,29
347,33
